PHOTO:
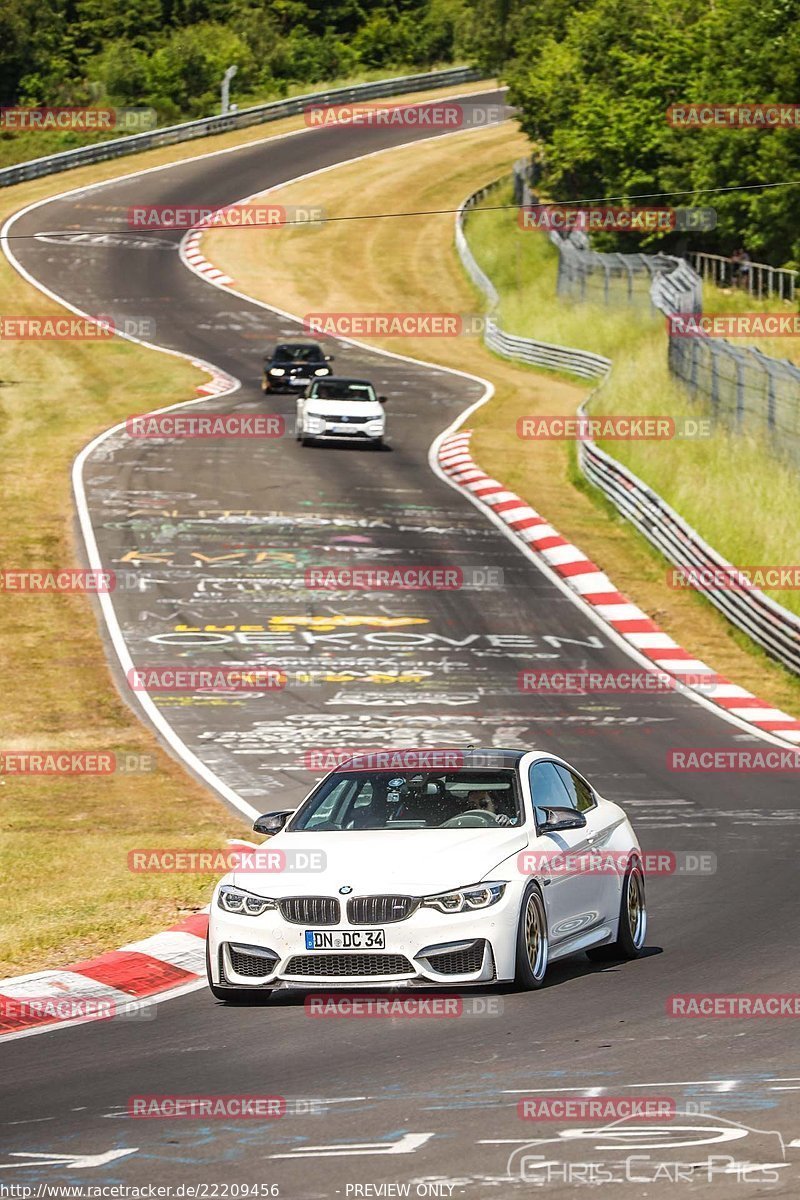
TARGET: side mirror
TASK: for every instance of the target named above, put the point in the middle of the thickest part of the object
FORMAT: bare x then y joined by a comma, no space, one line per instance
273,822
382,400
558,819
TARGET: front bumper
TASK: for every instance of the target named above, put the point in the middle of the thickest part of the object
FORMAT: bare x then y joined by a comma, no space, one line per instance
328,431
288,383
426,949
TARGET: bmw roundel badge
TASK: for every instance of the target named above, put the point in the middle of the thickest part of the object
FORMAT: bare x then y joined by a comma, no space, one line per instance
346,890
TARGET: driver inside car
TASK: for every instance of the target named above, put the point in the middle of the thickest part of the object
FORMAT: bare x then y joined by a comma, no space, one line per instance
486,802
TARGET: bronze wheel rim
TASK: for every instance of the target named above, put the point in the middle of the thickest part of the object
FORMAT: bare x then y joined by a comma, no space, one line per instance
637,913
535,936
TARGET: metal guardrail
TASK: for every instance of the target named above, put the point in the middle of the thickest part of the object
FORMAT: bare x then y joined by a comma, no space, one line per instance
769,624
259,114
758,279
528,350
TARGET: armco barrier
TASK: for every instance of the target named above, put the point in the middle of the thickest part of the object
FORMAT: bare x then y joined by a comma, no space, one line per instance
769,624
538,354
259,114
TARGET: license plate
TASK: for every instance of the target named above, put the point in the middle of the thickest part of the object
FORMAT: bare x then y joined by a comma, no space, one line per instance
299,380
345,939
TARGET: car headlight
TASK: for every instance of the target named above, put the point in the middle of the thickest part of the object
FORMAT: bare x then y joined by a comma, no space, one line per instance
246,904
315,416
277,371
480,895
323,371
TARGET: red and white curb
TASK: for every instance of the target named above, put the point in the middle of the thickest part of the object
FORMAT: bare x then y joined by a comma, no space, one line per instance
108,986
116,984
193,255
596,590
219,383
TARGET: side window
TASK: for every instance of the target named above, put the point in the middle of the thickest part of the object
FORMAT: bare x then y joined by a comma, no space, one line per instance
580,794
547,789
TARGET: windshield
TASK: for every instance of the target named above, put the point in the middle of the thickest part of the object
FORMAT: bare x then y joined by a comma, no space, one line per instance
298,354
415,800
342,389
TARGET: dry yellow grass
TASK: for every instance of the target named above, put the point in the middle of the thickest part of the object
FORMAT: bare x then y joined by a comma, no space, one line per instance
64,842
409,264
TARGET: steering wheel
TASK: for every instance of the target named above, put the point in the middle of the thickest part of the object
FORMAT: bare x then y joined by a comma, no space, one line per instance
473,818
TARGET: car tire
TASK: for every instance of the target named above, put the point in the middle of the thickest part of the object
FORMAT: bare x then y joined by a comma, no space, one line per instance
230,995
632,920
305,440
533,942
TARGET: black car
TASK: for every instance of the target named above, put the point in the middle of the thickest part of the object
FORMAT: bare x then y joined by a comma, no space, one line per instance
293,365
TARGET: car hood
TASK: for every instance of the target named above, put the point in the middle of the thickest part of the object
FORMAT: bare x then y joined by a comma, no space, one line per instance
349,408
414,862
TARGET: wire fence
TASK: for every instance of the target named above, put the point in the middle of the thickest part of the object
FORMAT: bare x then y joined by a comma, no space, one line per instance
741,388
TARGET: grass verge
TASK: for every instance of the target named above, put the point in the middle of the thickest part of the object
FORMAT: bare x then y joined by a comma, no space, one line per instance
408,264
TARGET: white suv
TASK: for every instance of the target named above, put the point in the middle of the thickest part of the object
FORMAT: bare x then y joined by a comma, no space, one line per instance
342,409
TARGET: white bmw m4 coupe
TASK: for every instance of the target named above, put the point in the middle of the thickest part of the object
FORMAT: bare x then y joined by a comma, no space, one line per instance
440,867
